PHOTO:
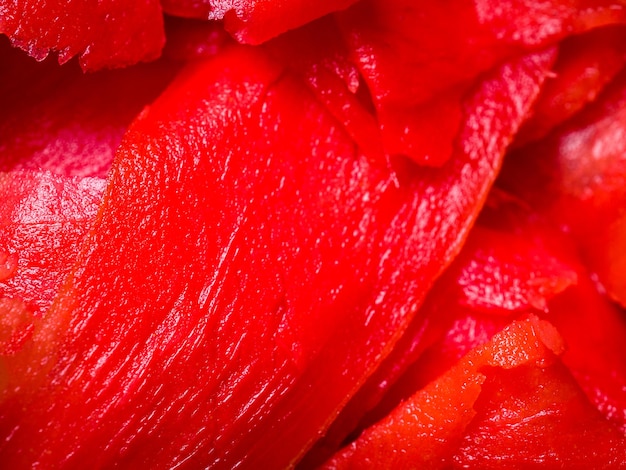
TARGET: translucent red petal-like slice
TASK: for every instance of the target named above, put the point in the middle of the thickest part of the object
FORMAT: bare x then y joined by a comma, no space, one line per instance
500,272
585,65
593,328
247,271
103,33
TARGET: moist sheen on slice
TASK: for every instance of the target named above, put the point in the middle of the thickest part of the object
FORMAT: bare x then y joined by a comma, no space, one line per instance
248,269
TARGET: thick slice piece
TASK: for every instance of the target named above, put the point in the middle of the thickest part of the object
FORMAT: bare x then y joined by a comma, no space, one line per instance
248,270
43,220
508,404
59,119
256,21
104,33
577,177
420,58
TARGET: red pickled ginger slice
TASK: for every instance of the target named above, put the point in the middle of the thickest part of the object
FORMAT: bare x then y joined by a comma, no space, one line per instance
577,177
248,266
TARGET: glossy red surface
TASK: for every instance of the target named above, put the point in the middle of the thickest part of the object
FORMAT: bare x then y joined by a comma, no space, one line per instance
267,266
40,211
43,220
188,293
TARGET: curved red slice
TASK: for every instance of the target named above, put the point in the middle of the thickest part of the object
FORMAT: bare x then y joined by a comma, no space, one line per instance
103,33
185,336
508,403
256,21
498,273
420,58
577,177
67,122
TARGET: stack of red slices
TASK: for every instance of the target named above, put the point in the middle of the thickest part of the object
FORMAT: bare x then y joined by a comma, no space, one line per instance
332,234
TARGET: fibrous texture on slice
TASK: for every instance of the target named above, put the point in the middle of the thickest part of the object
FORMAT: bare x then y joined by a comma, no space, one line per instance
184,336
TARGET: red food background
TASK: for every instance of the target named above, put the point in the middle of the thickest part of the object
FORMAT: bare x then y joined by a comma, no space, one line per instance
284,245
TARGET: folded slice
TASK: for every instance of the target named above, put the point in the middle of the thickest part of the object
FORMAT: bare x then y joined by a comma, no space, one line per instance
576,176
510,403
420,59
